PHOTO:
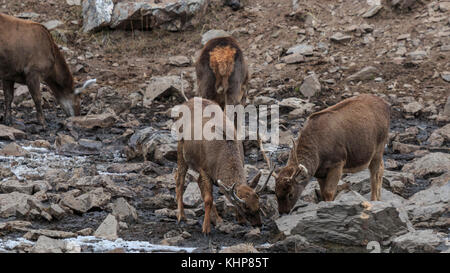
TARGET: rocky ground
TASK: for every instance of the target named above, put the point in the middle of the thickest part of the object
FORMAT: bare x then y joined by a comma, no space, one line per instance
104,181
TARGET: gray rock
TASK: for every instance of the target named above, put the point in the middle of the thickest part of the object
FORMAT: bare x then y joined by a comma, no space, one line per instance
293,58
179,61
303,49
94,199
73,2
348,223
163,86
55,234
419,241
154,145
340,38
365,74
430,207
171,15
403,148
104,120
5,173
239,248
14,204
264,100
50,25
444,6
48,245
14,150
372,11
56,211
213,33
295,244
446,111
108,229
446,76
124,211
96,14
192,196
13,185
438,138
430,164
295,103
10,133
417,55
412,107
310,86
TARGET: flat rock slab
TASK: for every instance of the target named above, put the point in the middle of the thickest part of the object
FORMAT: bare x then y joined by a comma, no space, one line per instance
10,133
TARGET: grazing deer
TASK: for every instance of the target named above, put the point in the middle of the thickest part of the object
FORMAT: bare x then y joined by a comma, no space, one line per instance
345,138
29,55
218,162
222,72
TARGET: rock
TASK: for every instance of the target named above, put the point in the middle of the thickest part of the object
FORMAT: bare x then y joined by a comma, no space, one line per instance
192,196
404,148
163,86
418,241
446,76
5,173
430,207
10,133
55,234
73,2
14,204
340,38
348,223
372,11
50,25
171,15
239,248
152,144
446,111
124,211
94,199
412,107
387,196
96,14
303,49
417,55
48,245
108,229
263,100
295,244
213,33
179,61
41,144
14,150
428,165
56,211
444,6
105,120
404,5
293,58
365,74
85,232
13,225
295,103
310,86
438,138
13,185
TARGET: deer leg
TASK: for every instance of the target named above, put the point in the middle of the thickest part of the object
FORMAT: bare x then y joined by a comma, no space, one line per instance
332,180
34,87
8,90
206,190
180,176
376,168
322,183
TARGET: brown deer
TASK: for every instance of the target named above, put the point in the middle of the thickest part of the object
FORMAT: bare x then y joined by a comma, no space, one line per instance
345,138
218,162
222,72
29,55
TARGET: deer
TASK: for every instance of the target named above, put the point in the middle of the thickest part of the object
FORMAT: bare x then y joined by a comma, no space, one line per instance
345,138
29,55
222,72
220,163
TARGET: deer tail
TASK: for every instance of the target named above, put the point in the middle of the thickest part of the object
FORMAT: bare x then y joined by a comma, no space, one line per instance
221,61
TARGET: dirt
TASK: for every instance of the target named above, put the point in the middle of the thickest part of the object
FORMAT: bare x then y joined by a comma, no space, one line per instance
123,61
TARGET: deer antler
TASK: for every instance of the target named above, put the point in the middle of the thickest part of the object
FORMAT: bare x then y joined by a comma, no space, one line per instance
269,163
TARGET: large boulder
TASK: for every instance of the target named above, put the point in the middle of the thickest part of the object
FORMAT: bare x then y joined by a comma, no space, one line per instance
421,241
430,207
162,87
152,144
108,229
431,164
172,15
346,222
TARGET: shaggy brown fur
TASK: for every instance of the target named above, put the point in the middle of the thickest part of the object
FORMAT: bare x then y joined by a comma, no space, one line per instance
216,160
222,72
345,138
28,55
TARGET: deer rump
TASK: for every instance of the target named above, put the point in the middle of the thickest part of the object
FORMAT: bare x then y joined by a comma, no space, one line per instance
222,71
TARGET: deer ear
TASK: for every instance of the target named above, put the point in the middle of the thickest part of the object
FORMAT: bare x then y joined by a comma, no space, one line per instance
302,171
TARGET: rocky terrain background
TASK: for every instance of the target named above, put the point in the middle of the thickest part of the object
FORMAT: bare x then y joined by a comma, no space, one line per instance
104,181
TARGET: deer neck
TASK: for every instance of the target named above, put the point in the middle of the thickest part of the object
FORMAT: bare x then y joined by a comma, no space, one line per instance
307,155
